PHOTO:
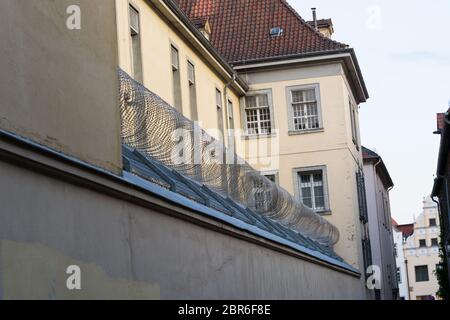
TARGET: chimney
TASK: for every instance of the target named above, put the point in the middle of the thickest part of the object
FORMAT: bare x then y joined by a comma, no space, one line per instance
440,122
324,26
314,13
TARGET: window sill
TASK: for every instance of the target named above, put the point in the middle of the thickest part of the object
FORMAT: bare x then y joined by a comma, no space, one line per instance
293,133
324,213
258,136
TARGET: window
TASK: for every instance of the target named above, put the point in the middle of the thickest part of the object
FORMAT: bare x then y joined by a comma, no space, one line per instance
304,108
258,114
271,177
432,222
263,196
135,44
354,125
421,273
395,250
175,60
219,107
422,243
399,276
192,91
312,188
434,242
362,197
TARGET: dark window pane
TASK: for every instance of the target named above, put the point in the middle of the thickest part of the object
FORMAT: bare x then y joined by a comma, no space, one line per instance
421,273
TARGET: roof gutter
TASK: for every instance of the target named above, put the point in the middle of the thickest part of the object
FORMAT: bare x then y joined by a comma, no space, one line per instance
198,39
347,55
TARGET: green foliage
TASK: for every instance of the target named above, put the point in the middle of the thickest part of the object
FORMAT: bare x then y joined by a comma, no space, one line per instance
442,270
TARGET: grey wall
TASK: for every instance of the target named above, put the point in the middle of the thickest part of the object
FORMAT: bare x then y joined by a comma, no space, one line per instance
59,86
381,237
128,251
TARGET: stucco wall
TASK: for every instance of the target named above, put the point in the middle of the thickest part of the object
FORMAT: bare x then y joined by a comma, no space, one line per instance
128,251
59,86
331,147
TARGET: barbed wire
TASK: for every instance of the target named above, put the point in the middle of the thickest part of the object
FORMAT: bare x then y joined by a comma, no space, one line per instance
158,130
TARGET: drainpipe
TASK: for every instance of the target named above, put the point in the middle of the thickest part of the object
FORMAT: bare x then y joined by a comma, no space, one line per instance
407,279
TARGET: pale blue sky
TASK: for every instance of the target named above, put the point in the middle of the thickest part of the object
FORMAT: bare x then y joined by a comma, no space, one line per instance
403,47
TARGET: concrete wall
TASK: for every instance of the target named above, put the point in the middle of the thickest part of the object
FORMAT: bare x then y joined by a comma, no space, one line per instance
380,228
59,86
128,251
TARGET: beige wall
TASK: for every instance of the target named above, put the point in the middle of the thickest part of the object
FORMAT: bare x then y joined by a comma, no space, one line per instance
420,256
145,254
59,86
157,36
331,147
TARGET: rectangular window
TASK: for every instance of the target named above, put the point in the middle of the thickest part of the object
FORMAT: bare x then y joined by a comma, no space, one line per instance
434,242
422,243
312,188
271,177
399,276
218,99
219,107
354,125
258,115
432,222
422,273
135,44
176,80
262,196
192,91
304,109
362,197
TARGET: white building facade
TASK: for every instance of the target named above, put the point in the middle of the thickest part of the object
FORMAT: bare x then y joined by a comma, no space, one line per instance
401,274
421,251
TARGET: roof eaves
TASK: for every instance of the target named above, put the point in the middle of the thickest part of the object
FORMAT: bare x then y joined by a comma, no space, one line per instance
356,75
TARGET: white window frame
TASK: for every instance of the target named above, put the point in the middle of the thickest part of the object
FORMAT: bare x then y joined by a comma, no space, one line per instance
291,123
173,48
244,109
354,122
191,80
298,193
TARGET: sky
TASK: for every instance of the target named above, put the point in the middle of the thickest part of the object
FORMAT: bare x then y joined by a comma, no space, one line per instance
403,48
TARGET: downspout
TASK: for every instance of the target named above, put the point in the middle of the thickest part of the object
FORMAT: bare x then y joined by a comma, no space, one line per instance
407,278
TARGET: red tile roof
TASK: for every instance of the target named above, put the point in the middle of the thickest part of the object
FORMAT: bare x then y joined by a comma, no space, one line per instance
241,29
406,229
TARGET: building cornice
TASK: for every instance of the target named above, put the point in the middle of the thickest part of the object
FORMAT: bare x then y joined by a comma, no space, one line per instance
345,56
